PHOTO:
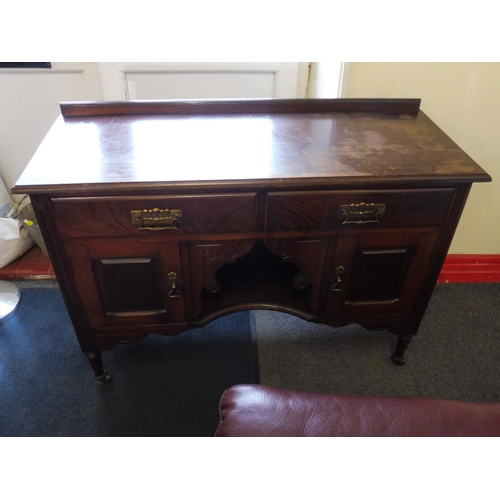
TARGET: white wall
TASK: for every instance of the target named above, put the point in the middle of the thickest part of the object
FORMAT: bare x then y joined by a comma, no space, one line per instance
324,80
464,100
30,105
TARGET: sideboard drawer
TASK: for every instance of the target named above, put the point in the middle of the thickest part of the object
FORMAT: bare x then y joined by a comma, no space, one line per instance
289,211
132,215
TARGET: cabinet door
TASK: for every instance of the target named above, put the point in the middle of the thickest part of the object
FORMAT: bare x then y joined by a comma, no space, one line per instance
378,274
128,283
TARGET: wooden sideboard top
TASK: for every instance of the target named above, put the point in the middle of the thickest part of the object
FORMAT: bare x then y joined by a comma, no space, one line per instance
101,148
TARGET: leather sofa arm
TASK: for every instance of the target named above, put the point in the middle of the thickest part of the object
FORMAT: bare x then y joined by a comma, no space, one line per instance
257,410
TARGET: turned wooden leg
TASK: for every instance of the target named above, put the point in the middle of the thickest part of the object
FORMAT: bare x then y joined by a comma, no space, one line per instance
95,360
398,355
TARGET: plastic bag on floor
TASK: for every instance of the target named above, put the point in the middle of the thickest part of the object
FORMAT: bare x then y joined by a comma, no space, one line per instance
14,238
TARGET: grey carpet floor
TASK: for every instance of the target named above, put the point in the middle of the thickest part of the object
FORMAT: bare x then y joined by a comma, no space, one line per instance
455,355
163,386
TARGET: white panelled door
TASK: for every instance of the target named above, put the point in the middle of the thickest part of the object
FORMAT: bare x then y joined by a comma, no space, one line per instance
133,81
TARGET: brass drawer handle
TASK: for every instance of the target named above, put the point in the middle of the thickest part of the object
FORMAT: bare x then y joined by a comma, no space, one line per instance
156,219
361,213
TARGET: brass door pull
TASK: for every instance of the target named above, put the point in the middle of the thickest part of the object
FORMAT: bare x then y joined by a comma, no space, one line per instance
156,219
361,213
338,286
174,291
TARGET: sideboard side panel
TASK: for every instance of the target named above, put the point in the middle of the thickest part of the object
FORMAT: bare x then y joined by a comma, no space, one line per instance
46,219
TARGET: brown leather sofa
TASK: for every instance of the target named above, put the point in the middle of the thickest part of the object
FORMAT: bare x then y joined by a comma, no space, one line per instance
257,410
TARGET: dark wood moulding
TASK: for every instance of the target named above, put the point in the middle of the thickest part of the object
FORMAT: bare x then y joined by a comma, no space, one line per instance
229,106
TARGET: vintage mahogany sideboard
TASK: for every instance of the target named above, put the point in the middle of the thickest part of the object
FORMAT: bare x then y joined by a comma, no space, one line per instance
160,216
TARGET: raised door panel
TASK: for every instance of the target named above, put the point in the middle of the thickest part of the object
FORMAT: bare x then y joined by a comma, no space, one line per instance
378,274
129,283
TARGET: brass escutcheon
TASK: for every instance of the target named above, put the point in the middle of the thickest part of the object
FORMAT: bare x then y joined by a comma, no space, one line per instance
338,286
174,290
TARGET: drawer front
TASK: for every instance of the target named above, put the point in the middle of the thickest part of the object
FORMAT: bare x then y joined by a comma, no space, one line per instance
289,211
126,216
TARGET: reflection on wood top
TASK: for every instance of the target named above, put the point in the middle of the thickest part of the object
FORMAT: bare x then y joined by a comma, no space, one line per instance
98,147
